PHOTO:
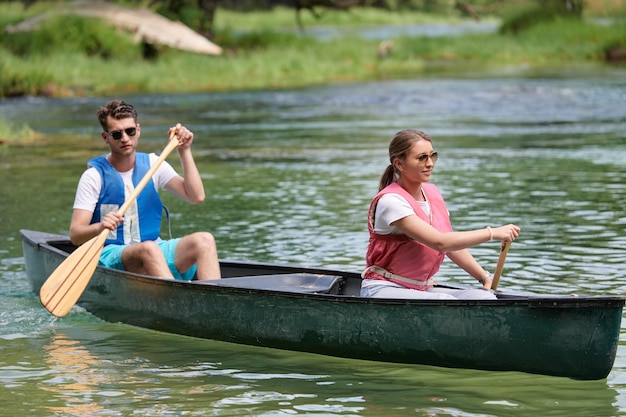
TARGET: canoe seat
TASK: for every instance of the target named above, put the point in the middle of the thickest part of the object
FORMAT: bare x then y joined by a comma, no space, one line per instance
299,283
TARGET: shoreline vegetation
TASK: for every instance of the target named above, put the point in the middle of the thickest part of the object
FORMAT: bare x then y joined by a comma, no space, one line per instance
73,56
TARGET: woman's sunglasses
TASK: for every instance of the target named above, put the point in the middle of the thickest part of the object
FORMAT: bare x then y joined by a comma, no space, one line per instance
424,157
117,134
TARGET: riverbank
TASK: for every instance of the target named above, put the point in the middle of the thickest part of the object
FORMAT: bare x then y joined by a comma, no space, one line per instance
263,50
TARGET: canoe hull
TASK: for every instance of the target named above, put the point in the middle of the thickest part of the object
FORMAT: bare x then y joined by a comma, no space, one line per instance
576,337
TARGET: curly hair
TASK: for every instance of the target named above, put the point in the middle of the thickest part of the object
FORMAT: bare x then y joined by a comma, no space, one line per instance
118,110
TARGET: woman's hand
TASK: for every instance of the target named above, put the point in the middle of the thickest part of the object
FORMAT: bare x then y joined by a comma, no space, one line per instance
507,233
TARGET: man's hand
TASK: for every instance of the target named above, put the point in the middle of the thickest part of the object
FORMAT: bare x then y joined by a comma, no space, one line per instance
184,136
112,221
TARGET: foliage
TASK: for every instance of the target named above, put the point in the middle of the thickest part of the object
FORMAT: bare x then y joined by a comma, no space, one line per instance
428,6
264,50
14,82
13,134
537,15
73,34
236,41
281,18
561,42
203,16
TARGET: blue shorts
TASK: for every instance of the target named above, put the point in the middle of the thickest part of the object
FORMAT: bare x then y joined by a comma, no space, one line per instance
111,257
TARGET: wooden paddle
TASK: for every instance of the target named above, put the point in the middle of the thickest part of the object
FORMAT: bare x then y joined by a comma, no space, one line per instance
66,284
496,276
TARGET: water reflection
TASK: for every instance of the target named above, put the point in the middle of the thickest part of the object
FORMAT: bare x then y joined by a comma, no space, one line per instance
156,373
77,378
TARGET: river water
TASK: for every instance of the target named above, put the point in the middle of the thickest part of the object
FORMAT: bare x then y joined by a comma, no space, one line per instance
289,175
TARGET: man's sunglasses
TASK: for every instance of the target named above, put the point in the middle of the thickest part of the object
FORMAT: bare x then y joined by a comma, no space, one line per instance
424,157
117,134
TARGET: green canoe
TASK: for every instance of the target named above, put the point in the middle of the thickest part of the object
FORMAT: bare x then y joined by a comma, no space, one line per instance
320,311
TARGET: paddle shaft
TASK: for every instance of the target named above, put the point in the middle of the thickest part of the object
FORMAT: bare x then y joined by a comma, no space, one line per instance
171,145
500,265
67,282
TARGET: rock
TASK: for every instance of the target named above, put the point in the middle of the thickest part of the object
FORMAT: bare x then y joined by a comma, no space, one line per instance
146,26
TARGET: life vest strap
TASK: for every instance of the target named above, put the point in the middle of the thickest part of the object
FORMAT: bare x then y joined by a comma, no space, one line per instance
384,273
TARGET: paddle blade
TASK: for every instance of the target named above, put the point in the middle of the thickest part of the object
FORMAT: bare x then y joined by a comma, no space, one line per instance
65,285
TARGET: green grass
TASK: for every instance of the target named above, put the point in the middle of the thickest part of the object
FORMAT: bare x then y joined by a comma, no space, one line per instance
561,42
16,135
81,57
73,56
270,60
285,18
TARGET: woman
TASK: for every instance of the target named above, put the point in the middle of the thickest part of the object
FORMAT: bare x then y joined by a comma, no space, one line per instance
410,231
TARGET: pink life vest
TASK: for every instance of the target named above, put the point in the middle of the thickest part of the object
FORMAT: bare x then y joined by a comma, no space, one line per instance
397,257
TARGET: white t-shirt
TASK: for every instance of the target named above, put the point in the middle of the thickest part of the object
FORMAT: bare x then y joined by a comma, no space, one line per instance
391,208
90,185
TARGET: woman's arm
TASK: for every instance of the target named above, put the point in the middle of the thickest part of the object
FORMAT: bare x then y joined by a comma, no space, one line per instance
419,230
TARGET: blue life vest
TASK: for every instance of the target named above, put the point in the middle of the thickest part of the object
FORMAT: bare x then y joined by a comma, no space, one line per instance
149,205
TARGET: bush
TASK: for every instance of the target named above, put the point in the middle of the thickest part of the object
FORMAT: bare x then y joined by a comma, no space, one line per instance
533,16
255,40
10,133
73,34
14,83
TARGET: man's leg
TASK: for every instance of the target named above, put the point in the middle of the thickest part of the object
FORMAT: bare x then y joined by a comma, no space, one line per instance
200,249
146,258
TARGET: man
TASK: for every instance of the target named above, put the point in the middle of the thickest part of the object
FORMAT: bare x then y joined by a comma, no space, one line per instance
134,244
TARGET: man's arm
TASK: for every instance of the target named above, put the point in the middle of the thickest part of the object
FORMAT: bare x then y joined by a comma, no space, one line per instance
81,230
189,187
